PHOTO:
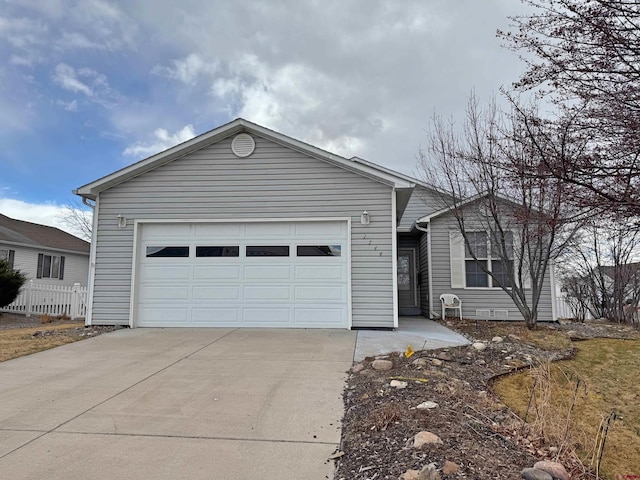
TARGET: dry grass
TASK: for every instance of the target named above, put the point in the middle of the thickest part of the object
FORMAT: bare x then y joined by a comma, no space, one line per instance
20,341
543,337
572,398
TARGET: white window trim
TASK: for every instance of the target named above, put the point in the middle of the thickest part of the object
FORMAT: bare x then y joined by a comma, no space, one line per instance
456,241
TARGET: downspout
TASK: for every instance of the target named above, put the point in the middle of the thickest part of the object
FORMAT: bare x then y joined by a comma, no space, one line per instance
427,230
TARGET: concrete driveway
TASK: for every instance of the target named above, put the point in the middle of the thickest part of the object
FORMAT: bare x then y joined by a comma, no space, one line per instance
176,403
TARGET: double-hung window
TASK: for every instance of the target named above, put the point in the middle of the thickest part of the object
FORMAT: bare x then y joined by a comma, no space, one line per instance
483,252
8,256
50,266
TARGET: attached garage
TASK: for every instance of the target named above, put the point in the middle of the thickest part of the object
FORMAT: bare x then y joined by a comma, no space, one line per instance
245,227
251,274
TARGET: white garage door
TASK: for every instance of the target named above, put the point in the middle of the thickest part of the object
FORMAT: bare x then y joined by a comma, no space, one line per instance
271,274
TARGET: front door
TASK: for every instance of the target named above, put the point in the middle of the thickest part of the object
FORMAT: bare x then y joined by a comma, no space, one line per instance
407,288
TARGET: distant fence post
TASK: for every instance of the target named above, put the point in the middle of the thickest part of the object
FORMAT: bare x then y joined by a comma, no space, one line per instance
75,301
29,297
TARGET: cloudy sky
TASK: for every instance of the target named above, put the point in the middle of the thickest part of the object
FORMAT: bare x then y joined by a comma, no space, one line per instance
89,86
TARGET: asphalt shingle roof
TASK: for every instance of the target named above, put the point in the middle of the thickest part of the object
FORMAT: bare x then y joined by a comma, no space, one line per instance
33,234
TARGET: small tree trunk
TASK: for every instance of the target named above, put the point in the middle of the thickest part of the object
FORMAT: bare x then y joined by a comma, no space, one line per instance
531,320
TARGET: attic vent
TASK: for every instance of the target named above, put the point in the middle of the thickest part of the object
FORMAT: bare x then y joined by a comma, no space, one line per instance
243,145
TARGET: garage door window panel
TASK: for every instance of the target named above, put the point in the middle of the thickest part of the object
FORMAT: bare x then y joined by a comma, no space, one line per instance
267,250
167,252
218,251
319,250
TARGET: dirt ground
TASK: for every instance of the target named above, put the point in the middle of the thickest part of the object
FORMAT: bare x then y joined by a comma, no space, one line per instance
481,438
21,335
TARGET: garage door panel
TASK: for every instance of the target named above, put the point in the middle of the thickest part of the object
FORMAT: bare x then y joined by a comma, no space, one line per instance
161,317
220,273
267,230
217,230
266,316
216,292
265,293
306,291
329,293
222,317
166,272
174,230
318,315
148,293
267,272
320,272
320,229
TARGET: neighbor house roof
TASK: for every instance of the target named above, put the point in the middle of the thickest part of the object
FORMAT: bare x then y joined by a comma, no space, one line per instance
239,125
27,234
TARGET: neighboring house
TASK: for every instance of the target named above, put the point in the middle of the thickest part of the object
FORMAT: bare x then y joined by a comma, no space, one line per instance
44,254
243,226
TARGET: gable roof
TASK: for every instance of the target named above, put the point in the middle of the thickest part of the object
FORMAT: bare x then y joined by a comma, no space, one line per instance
239,125
27,234
466,201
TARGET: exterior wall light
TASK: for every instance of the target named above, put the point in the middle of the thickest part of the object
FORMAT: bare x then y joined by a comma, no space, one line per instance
364,218
122,221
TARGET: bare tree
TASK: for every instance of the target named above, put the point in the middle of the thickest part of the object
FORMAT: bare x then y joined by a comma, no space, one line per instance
78,218
600,271
485,176
584,56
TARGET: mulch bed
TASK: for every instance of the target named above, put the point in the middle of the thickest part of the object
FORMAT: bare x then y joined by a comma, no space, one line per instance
479,434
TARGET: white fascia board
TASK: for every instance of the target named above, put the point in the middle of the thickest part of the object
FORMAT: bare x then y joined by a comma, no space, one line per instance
91,190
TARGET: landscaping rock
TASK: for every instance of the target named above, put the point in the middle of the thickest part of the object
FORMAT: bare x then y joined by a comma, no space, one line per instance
555,469
428,405
423,438
429,472
479,346
420,362
497,339
398,384
445,357
436,362
535,474
409,475
357,368
450,467
382,365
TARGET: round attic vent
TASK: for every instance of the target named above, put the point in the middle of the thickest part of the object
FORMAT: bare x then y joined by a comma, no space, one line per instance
243,145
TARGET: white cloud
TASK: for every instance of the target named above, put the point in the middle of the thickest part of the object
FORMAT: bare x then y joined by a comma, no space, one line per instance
75,40
49,214
187,70
162,140
23,32
67,78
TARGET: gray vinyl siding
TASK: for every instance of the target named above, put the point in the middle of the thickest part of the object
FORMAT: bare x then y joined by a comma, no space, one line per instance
473,298
423,202
423,260
274,182
76,266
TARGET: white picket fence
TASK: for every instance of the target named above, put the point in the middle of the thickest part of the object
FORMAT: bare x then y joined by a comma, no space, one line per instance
53,300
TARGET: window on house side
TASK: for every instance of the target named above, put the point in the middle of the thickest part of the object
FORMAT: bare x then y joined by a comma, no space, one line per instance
475,276
50,266
8,255
500,267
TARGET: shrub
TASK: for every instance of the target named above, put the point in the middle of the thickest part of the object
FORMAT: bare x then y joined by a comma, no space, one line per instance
10,283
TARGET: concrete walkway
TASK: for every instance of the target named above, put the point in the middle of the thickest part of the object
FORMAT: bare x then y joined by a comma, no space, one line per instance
176,403
419,332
